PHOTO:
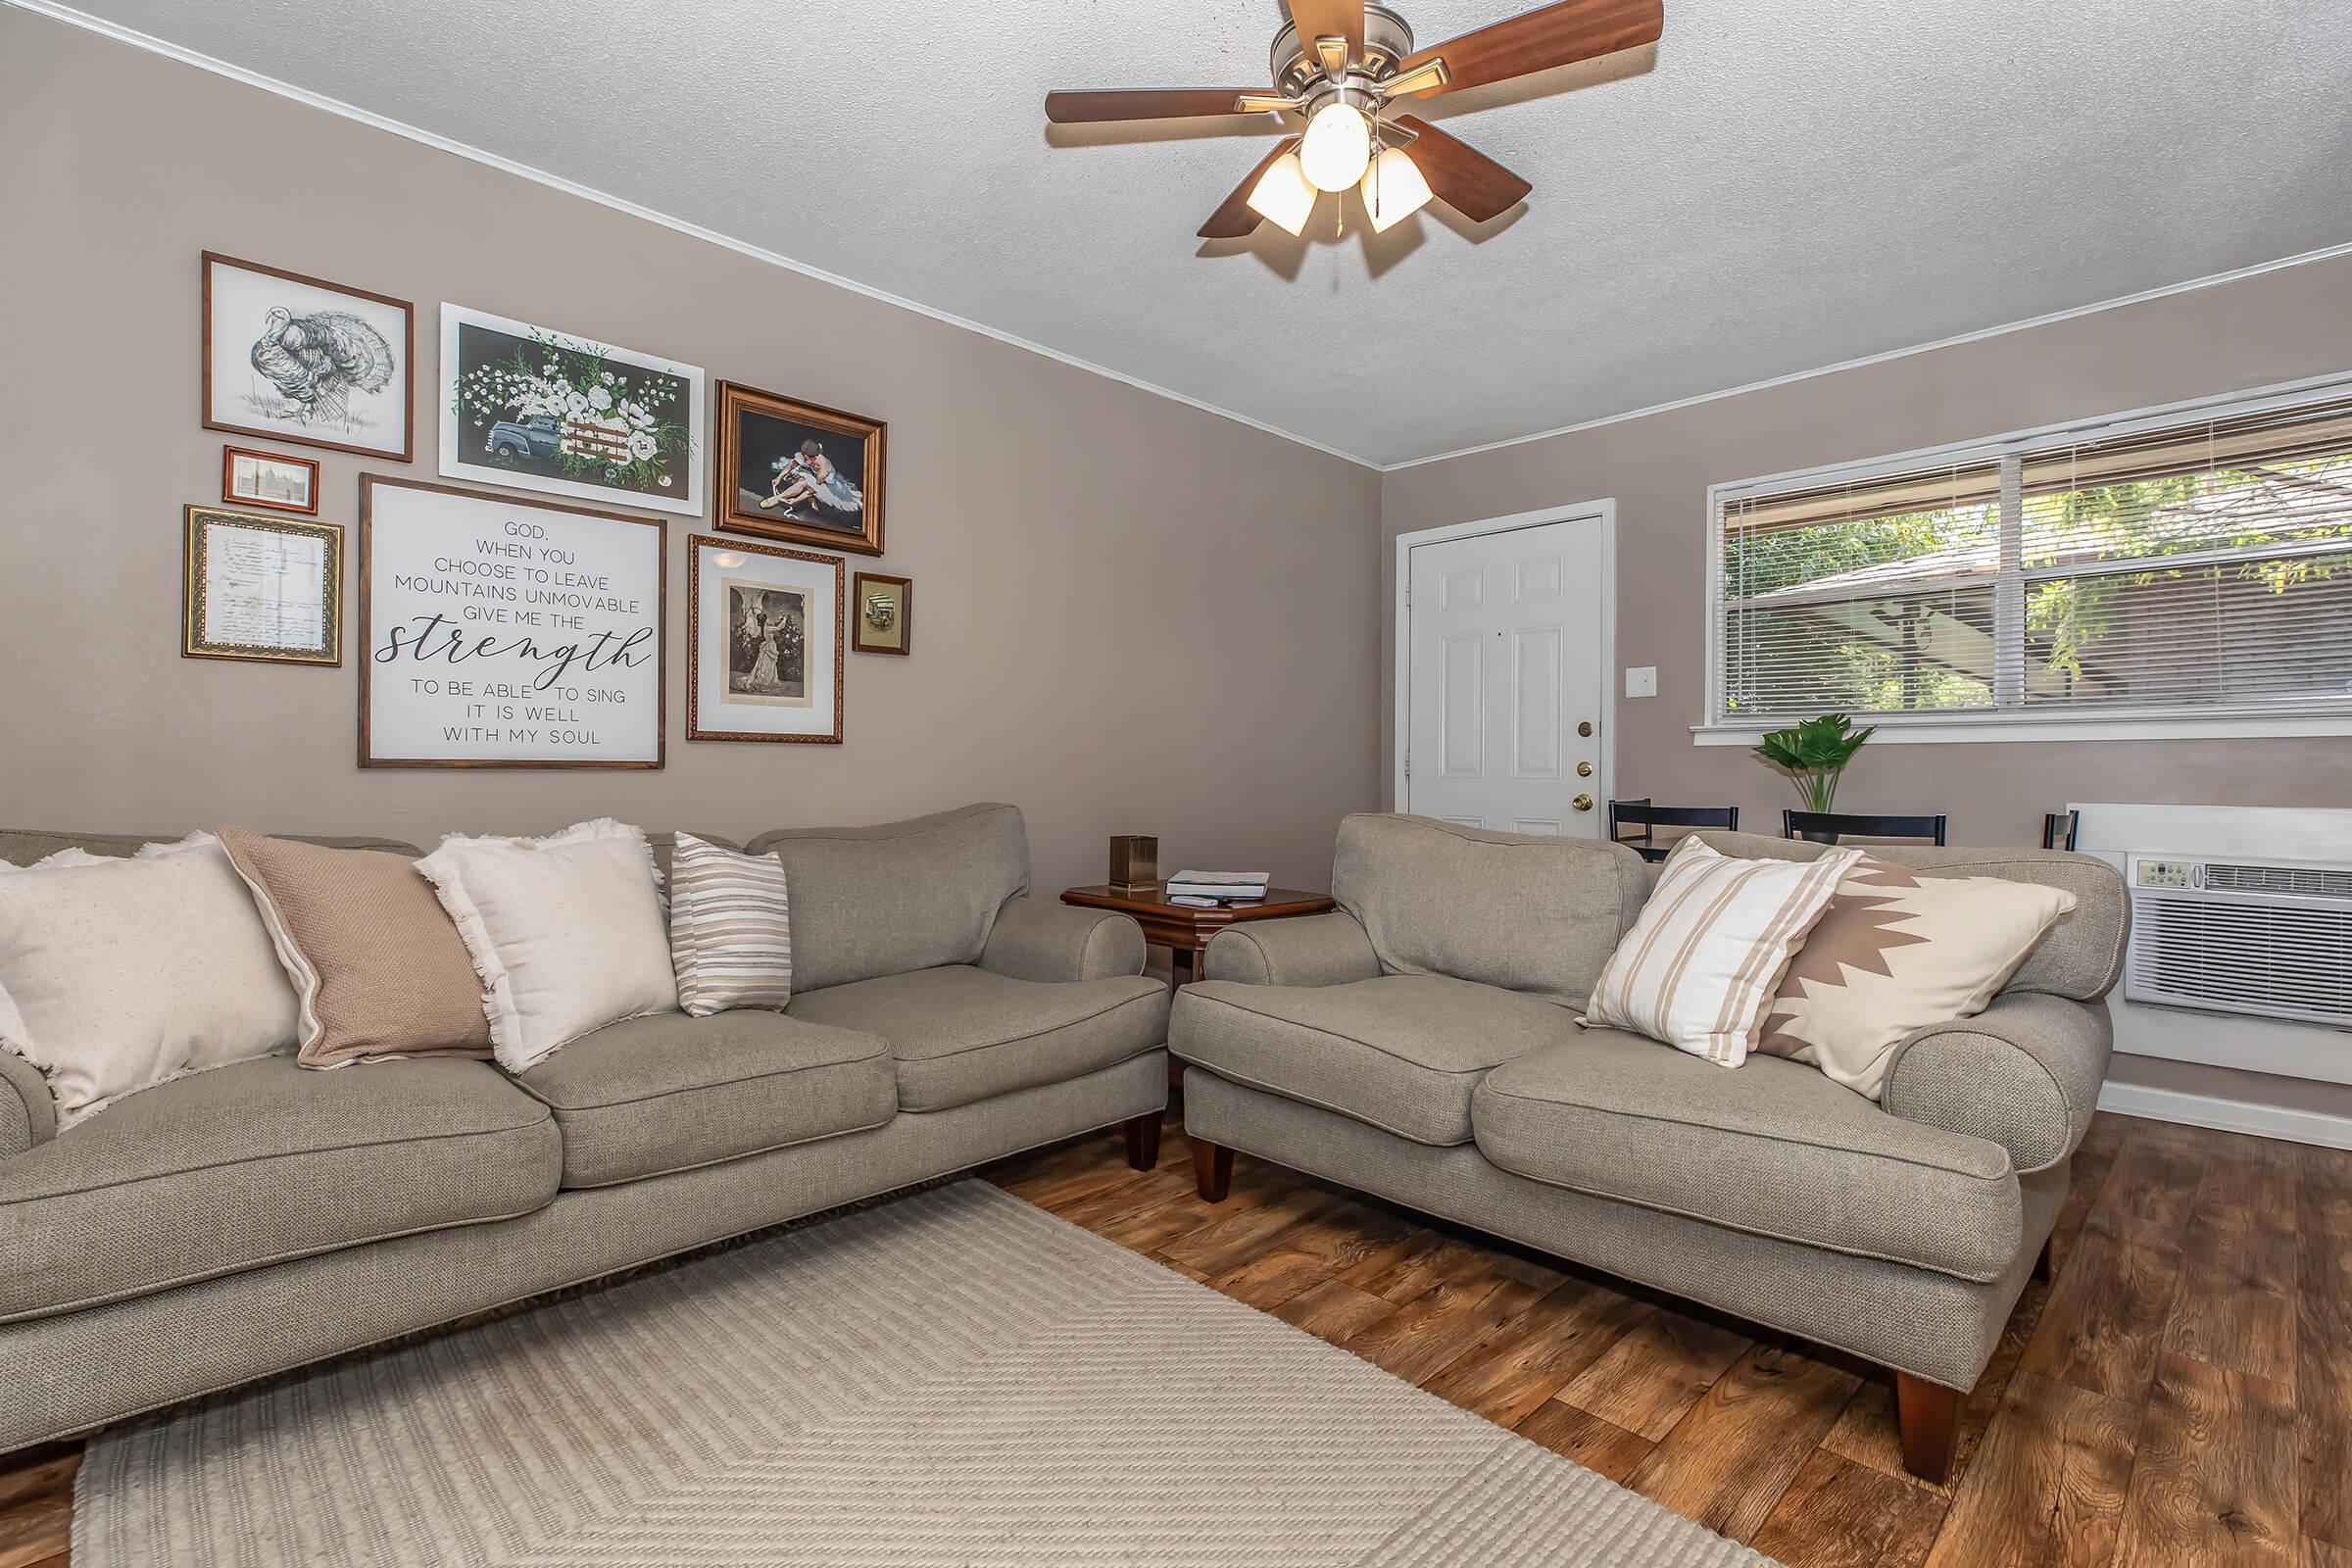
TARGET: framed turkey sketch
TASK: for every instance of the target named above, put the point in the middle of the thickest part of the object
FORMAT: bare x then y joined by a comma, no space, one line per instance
534,408
299,359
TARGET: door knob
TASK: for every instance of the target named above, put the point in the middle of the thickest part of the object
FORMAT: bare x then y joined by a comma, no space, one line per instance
1582,802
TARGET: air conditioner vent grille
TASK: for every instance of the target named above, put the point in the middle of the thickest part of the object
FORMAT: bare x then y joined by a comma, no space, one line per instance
2276,960
2301,881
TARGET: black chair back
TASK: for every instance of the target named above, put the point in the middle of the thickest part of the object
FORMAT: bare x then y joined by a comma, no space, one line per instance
2059,828
1829,828
1648,818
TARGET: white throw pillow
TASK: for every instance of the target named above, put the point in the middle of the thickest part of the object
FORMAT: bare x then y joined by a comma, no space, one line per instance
566,932
1706,955
117,975
730,929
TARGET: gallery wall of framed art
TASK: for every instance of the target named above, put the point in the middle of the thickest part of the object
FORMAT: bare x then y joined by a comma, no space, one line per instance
1032,501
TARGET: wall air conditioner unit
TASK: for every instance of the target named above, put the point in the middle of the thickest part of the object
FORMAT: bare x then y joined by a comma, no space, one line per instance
2261,937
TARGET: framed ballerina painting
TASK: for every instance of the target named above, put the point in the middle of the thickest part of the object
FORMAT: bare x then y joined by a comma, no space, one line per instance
798,471
299,359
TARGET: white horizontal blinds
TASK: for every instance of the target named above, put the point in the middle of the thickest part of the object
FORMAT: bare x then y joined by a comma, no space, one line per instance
1874,596
2193,565
2205,566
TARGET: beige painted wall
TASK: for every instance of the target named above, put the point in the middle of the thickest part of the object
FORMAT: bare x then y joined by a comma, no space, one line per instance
1135,616
2280,326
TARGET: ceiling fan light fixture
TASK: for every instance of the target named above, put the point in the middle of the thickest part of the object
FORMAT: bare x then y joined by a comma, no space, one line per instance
1337,147
1282,195
1394,189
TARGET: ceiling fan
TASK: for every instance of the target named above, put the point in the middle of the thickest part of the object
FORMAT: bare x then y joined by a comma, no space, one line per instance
1341,65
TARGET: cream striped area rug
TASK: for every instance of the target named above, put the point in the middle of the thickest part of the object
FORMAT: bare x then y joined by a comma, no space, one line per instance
956,1378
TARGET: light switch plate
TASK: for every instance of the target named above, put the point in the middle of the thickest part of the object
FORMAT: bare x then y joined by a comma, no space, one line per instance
1641,682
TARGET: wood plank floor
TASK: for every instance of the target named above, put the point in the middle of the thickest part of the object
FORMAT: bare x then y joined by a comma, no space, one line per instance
2182,1393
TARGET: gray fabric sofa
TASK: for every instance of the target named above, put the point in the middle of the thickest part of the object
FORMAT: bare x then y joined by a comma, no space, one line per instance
1420,1043
255,1217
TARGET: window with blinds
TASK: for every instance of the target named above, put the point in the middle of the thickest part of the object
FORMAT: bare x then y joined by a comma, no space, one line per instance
2188,568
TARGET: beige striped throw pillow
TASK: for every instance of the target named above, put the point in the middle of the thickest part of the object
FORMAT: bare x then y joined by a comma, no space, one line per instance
730,929
1702,962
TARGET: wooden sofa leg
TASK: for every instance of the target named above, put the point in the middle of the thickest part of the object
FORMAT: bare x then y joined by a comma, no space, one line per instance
1929,1414
1212,1171
1143,1141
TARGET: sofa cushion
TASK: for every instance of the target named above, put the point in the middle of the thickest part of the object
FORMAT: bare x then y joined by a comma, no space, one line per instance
1525,912
1774,1148
1401,1052
905,896
2082,956
653,1095
261,1161
963,1034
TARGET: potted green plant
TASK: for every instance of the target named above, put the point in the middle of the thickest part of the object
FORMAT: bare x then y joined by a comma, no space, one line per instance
1814,753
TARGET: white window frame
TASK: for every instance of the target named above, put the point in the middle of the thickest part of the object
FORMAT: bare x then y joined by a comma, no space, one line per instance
2011,724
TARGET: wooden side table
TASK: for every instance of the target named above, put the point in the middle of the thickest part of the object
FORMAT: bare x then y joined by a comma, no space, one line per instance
1185,930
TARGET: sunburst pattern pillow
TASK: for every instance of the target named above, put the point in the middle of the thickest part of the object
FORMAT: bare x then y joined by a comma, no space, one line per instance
1899,949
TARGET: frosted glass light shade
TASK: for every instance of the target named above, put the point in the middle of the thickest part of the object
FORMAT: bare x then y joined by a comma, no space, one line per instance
1282,196
1337,146
1393,189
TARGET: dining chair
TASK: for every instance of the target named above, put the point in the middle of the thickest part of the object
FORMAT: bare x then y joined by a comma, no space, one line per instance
1829,828
2059,829
1648,818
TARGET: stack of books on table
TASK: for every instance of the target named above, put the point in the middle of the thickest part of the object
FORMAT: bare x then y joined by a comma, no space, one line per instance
1206,888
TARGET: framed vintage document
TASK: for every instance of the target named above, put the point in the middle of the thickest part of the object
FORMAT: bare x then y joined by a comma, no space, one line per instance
764,625
497,631
303,360
799,473
262,588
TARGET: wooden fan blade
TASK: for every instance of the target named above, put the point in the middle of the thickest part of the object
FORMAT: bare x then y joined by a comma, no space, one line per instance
1553,35
1330,18
1235,218
1172,103
1460,175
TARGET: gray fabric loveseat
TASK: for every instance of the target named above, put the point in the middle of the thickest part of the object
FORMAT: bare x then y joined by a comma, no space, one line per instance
255,1217
1420,1043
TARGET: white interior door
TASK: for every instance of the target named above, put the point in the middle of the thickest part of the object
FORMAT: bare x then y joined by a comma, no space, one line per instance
1506,660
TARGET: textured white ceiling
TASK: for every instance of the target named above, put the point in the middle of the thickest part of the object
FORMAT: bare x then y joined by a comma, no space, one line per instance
1782,185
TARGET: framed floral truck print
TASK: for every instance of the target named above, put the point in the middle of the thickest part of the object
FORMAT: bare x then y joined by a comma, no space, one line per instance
537,410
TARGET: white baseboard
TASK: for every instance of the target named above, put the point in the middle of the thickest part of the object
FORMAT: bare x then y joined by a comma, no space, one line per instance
2228,1115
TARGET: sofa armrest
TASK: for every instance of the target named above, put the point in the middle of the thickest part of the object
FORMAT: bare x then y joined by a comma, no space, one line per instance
27,1115
1034,940
1315,949
2025,1073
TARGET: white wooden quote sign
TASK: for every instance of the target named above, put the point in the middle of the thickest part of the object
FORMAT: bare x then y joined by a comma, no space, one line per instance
497,632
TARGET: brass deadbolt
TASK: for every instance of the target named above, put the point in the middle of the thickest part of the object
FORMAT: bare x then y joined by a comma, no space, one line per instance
1583,770
1584,728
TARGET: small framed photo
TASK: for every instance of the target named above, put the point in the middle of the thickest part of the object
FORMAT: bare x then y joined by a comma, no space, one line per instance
298,359
764,628
797,472
882,604
268,480
262,588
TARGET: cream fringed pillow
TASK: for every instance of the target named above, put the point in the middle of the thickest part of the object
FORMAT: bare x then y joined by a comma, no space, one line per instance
730,928
1897,952
566,933
117,975
1703,960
